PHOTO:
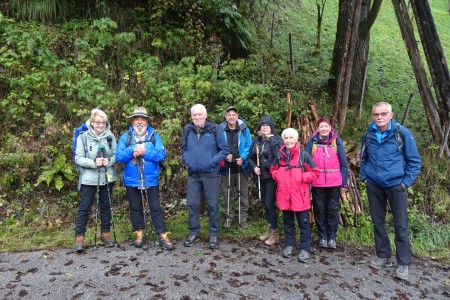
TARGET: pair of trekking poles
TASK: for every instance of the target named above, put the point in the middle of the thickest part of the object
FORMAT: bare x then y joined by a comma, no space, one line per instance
229,192
102,154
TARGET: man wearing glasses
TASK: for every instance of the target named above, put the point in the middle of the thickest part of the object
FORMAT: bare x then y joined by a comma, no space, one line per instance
390,162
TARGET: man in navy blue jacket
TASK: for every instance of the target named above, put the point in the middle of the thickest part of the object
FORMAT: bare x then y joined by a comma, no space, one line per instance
204,147
390,162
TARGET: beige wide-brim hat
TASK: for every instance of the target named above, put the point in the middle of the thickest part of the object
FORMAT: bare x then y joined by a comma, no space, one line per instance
139,112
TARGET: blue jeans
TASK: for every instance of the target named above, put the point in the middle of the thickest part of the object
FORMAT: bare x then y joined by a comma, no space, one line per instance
326,211
268,189
209,184
396,195
304,225
88,193
137,199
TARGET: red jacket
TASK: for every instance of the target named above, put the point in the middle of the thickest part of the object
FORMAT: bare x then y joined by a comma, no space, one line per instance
293,184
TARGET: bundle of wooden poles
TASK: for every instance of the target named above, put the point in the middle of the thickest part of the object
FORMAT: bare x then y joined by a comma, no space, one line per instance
351,201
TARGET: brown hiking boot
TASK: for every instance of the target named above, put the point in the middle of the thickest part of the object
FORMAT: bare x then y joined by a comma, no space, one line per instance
273,239
164,241
79,243
139,242
266,234
106,239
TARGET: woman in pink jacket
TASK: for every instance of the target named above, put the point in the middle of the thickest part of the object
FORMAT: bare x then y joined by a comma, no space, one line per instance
294,170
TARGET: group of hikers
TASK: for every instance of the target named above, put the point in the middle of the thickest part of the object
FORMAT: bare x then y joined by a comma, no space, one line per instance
221,158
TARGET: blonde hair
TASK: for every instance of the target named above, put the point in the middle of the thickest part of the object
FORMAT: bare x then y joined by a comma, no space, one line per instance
290,131
98,113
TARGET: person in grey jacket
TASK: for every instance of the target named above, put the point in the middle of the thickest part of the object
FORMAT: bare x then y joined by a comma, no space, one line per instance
95,154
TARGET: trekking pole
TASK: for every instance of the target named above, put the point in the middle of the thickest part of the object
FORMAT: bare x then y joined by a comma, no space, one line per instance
239,193
144,198
99,155
109,199
229,188
259,178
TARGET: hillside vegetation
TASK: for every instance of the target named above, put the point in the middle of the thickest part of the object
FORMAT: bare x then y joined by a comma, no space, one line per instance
53,74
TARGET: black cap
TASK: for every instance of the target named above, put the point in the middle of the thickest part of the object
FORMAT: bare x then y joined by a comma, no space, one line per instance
232,108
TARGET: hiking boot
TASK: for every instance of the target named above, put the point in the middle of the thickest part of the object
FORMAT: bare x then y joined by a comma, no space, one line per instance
227,224
79,243
379,263
190,241
139,242
332,244
323,243
288,251
213,242
164,241
273,239
244,225
303,256
266,234
402,272
106,239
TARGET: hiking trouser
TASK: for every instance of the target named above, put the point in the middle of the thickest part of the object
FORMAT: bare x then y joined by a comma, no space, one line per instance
326,211
209,184
268,189
88,194
304,225
396,195
234,195
136,212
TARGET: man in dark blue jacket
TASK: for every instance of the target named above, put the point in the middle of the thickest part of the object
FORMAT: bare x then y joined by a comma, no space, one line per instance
390,162
204,147
235,168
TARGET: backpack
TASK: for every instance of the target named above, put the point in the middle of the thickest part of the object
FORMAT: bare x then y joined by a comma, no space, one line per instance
81,131
398,138
301,161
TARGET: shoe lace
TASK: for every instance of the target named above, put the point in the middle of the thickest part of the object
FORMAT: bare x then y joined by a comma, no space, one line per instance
164,237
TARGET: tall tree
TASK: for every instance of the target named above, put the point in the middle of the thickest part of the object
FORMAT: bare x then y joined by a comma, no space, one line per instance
355,20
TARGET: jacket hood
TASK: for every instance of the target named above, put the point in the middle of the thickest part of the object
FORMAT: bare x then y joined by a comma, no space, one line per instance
267,120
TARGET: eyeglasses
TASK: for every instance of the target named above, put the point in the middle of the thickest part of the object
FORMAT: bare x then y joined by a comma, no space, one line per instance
100,123
383,114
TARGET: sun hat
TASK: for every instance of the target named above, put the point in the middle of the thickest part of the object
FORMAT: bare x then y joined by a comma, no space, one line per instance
138,112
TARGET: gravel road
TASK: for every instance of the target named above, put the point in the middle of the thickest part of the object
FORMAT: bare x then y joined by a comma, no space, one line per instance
237,270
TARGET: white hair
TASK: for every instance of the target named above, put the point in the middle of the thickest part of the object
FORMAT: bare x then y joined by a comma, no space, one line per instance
389,107
198,107
290,131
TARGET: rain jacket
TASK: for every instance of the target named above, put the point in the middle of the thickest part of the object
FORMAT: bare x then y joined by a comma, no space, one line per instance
384,162
244,143
155,153
333,166
89,173
267,148
202,153
293,183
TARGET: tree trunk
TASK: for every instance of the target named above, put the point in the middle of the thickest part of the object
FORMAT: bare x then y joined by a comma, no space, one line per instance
407,31
434,54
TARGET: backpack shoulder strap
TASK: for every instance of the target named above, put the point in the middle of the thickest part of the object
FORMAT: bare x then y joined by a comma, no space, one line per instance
301,159
314,146
399,136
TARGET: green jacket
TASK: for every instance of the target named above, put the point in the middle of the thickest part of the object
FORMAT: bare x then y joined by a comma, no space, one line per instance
85,156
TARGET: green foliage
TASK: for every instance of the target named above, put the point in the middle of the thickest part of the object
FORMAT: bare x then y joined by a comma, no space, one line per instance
59,170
